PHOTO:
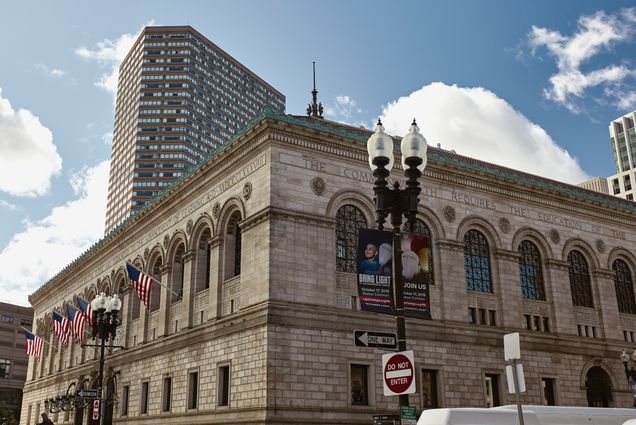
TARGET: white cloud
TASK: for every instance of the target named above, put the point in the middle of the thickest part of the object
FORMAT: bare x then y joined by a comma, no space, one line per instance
476,123
52,72
28,157
595,34
107,138
8,205
110,53
46,246
344,109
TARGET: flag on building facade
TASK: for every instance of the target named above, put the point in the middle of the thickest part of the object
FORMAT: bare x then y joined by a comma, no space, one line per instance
61,327
141,283
85,308
33,345
77,322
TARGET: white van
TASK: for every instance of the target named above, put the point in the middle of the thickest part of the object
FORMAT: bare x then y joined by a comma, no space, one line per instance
532,415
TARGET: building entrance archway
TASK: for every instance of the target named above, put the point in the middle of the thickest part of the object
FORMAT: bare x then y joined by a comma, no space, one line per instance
598,387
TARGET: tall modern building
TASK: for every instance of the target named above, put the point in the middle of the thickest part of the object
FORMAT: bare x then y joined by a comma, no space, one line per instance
623,141
179,97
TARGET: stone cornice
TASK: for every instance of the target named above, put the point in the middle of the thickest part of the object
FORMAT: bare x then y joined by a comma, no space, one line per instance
507,255
269,213
556,264
450,245
603,273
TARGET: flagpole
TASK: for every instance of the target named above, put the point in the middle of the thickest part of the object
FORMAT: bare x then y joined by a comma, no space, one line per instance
43,340
156,281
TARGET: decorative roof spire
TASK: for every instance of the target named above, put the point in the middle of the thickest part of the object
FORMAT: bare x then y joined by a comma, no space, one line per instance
315,108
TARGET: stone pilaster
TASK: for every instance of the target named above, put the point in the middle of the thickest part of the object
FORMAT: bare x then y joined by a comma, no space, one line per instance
603,282
166,296
453,291
188,289
216,280
559,295
508,289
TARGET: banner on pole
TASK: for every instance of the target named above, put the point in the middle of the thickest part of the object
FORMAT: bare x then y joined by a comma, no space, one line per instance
375,290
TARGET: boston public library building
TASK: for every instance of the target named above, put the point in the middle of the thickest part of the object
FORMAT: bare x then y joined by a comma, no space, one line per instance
261,242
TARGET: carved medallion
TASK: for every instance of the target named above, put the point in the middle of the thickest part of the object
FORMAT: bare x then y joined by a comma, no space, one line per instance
504,225
166,240
554,236
318,185
189,227
600,246
146,253
247,190
216,210
449,213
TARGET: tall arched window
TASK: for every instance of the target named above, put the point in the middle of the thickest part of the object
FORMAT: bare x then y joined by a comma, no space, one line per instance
177,274
624,287
155,289
349,220
580,284
232,248
477,262
202,261
421,228
530,271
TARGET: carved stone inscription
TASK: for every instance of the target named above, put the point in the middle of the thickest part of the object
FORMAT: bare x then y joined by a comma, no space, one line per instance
459,197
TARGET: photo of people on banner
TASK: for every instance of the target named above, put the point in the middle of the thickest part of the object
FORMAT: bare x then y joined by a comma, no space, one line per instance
375,252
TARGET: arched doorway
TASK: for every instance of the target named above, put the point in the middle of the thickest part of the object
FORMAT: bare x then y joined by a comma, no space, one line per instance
598,387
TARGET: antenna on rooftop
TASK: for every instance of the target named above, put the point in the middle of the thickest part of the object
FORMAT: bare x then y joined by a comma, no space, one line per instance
315,108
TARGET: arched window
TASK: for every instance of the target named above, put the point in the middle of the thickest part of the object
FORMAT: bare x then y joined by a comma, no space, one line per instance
420,228
202,261
349,220
477,262
530,272
624,287
580,280
232,249
155,289
177,274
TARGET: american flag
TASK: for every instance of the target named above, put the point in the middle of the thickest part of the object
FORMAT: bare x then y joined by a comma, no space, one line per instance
33,345
141,283
85,308
61,327
77,320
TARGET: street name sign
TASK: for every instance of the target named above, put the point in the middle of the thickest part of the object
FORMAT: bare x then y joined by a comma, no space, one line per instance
383,340
398,373
87,393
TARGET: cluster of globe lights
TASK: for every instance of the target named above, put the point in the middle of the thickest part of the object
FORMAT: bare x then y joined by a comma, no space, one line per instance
66,401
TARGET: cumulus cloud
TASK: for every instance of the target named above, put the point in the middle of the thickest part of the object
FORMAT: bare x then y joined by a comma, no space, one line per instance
476,123
52,72
28,157
597,33
45,247
109,54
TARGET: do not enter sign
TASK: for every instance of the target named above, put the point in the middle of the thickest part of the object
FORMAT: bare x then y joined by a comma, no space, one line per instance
399,373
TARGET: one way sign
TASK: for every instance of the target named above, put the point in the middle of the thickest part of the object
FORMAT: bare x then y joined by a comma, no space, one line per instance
383,340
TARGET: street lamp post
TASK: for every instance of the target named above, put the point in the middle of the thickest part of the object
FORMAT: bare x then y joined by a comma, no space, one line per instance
397,202
630,371
105,321
64,402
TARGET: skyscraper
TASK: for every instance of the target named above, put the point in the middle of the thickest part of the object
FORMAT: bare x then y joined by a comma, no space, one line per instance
623,142
179,96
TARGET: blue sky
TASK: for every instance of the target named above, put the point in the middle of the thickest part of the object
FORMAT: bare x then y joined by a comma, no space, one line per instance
531,85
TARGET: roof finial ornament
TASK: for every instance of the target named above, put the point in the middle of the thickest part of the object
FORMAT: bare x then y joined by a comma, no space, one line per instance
315,108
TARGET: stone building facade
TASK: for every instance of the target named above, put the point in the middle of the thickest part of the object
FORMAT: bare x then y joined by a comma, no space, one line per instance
264,330
13,364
